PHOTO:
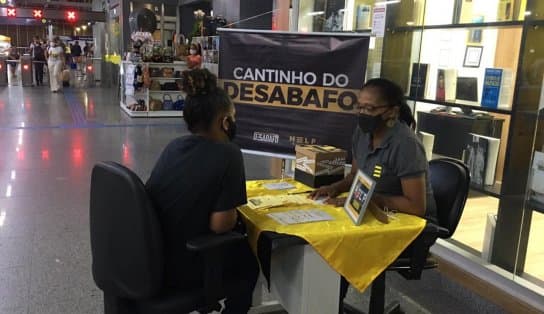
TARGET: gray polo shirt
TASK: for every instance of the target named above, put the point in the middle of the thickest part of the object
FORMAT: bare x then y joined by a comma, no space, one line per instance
400,155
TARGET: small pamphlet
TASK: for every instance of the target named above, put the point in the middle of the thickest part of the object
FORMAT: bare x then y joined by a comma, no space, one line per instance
270,201
300,216
279,186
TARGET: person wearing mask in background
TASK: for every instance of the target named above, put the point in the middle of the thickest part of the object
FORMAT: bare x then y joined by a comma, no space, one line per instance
38,56
194,59
385,139
196,186
35,40
55,63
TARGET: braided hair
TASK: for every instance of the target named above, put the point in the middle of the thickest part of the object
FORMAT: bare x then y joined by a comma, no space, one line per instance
204,100
393,95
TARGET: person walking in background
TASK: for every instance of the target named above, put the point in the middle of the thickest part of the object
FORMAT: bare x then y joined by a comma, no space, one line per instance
35,40
13,56
76,54
55,61
38,56
67,52
87,50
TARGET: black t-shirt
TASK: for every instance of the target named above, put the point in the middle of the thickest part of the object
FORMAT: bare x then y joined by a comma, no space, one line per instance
76,51
38,53
400,155
193,177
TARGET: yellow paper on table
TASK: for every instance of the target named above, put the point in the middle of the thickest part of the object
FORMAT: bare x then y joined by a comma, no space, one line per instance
269,201
359,253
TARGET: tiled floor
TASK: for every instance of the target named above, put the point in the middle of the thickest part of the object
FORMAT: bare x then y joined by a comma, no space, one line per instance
49,142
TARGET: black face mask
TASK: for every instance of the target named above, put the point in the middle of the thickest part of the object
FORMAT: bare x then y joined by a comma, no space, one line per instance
368,123
231,131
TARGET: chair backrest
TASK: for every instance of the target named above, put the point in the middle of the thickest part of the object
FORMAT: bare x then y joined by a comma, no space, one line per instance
126,240
450,180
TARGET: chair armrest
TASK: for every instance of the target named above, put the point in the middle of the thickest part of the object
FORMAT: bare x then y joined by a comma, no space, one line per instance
214,241
213,248
443,233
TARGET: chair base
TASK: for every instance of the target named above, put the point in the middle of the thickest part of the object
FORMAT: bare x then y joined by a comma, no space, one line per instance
377,300
393,308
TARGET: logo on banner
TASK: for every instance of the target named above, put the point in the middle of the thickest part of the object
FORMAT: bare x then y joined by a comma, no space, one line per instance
266,137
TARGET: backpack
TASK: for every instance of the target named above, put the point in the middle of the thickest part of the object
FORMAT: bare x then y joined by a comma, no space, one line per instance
39,54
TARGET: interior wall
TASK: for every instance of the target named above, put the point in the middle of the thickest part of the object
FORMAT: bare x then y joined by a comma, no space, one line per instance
249,9
187,18
229,9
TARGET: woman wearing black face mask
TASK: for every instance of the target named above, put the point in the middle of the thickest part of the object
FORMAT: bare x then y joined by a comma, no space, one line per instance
196,186
385,146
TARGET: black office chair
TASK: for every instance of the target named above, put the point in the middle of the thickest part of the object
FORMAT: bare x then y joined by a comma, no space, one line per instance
450,180
127,252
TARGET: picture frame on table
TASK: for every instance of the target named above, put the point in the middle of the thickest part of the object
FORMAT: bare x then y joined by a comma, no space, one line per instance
359,197
473,56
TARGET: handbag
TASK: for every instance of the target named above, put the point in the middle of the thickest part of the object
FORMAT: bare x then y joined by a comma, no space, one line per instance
155,104
169,86
147,79
167,72
179,103
167,102
155,85
155,72
157,53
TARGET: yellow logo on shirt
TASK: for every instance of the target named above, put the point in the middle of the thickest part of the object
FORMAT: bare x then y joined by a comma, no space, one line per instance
377,171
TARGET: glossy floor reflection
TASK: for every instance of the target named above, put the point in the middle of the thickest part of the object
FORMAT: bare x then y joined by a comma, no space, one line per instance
49,143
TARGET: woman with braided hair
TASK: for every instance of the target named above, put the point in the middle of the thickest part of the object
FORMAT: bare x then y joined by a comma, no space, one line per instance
196,186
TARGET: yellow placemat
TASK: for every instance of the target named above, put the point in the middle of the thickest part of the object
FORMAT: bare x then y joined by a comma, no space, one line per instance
359,253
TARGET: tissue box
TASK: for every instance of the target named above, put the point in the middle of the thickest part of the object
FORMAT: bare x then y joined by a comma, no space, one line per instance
318,165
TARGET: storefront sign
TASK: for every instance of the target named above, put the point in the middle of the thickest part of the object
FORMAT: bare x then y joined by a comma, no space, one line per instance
378,20
292,88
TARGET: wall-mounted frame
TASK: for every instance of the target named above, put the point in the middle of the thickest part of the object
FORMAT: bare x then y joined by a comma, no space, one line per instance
473,56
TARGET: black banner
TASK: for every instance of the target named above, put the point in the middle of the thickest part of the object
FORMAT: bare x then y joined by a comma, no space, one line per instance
292,88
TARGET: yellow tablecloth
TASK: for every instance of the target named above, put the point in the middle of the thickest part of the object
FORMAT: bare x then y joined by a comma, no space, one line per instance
359,253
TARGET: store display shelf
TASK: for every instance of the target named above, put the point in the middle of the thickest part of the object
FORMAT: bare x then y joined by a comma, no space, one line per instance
491,190
536,22
535,205
137,94
134,114
460,25
462,106
166,113
151,114
181,63
165,91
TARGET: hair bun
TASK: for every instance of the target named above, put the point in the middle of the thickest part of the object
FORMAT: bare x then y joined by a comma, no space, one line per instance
198,82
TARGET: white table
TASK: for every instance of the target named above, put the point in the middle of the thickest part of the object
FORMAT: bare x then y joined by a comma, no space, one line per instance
301,282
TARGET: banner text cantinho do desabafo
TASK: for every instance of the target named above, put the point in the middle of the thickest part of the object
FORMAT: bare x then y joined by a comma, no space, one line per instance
278,88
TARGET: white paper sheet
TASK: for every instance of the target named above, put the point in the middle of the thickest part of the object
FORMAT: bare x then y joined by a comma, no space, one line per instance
300,216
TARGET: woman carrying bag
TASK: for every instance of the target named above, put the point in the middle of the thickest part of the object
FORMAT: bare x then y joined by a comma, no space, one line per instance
55,63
